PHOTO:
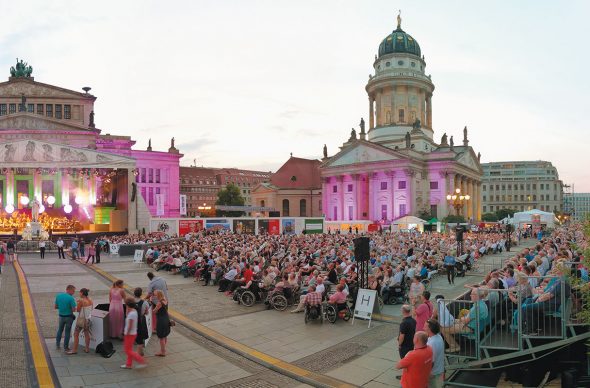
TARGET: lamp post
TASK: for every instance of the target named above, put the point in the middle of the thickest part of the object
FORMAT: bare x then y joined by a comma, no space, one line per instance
457,200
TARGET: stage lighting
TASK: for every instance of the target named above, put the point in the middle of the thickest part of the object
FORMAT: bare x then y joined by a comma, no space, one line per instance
68,208
24,200
51,200
41,208
9,208
78,199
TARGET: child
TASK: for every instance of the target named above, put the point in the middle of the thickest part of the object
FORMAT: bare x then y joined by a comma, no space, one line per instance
130,333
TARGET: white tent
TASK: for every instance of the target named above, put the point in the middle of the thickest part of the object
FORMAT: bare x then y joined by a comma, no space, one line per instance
410,222
534,216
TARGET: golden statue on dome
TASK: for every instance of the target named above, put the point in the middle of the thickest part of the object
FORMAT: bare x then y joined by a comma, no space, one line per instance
399,20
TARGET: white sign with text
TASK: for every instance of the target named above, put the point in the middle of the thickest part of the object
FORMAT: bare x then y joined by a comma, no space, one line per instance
365,302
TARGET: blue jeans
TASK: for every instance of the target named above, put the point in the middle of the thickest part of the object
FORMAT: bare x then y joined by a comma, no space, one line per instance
64,322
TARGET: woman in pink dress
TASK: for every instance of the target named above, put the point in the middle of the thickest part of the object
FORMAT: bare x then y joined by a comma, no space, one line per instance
116,319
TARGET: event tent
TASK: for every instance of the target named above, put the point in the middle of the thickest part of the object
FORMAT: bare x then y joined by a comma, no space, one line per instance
410,222
534,216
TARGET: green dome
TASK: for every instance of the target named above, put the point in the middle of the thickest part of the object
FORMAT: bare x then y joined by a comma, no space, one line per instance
399,42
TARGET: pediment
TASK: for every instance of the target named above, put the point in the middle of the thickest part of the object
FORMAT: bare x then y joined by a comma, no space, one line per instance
32,121
16,88
359,153
35,153
467,159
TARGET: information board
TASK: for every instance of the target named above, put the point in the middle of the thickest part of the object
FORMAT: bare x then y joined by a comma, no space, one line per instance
365,302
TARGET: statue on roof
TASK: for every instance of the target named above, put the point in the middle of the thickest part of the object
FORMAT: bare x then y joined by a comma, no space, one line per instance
465,140
325,152
399,20
21,69
416,124
91,120
408,140
172,143
443,140
479,156
352,135
362,125
149,148
452,143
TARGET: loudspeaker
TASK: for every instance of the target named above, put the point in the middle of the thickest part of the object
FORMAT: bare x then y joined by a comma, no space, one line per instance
361,249
459,233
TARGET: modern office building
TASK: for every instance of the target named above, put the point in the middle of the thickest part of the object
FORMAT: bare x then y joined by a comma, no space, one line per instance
521,185
577,205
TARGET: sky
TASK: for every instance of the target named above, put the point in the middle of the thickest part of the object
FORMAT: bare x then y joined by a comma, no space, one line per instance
245,83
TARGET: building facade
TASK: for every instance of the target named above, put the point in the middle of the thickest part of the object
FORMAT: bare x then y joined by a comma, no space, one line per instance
295,190
201,185
577,205
396,168
521,185
53,153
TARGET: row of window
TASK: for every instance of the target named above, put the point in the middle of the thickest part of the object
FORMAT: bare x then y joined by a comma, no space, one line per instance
198,190
401,185
150,192
542,186
286,208
511,198
42,109
522,208
148,175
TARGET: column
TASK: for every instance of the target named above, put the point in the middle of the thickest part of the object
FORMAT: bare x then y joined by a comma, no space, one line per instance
37,185
443,205
471,194
391,204
478,208
65,188
410,194
371,180
325,201
341,214
379,113
371,113
9,188
92,189
429,111
356,195
392,117
131,206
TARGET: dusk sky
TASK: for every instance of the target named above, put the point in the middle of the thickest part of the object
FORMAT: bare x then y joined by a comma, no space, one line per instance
245,83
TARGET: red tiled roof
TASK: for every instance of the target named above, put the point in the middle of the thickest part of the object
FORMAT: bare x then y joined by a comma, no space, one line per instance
305,171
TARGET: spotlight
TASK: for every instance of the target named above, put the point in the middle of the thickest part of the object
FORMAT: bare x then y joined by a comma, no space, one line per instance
41,208
9,208
24,200
51,200
78,199
68,208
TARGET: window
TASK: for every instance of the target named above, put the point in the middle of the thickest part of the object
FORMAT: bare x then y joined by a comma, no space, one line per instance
320,205
2,109
31,108
335,212
383,212
484,209
157,175
40,109
522,186
285,208
67,112
542,186
262,203
383,185
143,175
401,185
434,186
509,198
497,187
402,209
528,186
349,188
151,195
401,116
350,212
534,197
503,187
302,208
433,210
509,187
12,108
49,110
484,187
58,111
483,198
334,189
151,175
534,186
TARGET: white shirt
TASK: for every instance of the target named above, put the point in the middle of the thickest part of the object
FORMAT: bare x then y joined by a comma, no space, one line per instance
445,317
60,243
320,288
131,322
41,244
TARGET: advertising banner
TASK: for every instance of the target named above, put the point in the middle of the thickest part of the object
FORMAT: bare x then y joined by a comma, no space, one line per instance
314,225
170,227
288,225
189,226
183,204
114,249
159,204
352,228
266,226
244,226
217,224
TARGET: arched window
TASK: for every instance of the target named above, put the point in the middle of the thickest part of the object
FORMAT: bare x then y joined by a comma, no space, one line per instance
285,208
401,116
302,208
262,203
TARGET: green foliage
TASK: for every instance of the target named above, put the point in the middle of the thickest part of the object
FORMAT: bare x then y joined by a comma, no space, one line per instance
583,288
452,219
425,215
503,213
489,217
230,195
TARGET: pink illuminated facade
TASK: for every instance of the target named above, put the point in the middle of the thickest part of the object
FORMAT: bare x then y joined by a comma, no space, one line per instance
396,168
51,148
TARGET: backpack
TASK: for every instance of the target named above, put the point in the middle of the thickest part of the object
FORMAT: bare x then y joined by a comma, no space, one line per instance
105,349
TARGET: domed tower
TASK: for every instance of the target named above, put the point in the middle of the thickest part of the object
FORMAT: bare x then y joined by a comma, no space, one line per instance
400,93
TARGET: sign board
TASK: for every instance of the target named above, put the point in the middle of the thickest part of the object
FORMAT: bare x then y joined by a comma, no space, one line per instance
183,204
159,204
95,328
138,256
365,302
114,249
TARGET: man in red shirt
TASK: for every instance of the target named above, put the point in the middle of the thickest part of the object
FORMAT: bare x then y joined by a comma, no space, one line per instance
247,275
417,364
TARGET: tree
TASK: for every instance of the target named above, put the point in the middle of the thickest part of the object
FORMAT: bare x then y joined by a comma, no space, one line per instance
230,195
425,215
503,213
452,219
490,217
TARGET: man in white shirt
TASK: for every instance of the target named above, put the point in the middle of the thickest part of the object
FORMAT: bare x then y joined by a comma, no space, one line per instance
442,313
42,248
60,249
227,279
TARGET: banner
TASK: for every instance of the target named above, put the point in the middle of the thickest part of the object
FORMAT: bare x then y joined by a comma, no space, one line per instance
244,226
314,225
167,226
114,249
268,226
159,204
183,204
217,224
189,226
288,225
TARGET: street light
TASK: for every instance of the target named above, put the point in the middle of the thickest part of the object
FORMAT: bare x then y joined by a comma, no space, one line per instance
457,200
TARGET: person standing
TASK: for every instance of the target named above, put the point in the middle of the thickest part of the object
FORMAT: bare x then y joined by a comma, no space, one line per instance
42,249
91,253
417,364
162,322
130,335
65,304
143,309
437,344
11,247
74,249
423,311
60,248
84,309
82,248
407,329
2,255
450,263
116,298
97,249
156,283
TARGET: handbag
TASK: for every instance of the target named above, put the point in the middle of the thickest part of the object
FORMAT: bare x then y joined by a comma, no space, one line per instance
172,323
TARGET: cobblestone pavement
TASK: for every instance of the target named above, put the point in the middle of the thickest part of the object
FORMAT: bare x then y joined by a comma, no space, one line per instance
14,368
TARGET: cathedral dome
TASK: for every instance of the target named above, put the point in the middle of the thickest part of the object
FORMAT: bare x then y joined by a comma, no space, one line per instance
399,42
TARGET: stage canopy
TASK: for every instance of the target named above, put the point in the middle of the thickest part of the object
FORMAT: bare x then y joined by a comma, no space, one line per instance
534,216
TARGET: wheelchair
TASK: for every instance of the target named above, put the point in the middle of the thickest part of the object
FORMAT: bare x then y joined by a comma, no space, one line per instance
314,313
333,312
249,296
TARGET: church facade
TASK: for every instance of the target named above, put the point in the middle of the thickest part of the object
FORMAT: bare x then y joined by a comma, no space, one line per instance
395,168
54,155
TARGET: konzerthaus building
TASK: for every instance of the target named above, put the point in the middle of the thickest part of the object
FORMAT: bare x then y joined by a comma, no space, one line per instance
396,168
53,154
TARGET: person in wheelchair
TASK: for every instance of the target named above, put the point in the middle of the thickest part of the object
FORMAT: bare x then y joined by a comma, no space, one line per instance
312,301
339,298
